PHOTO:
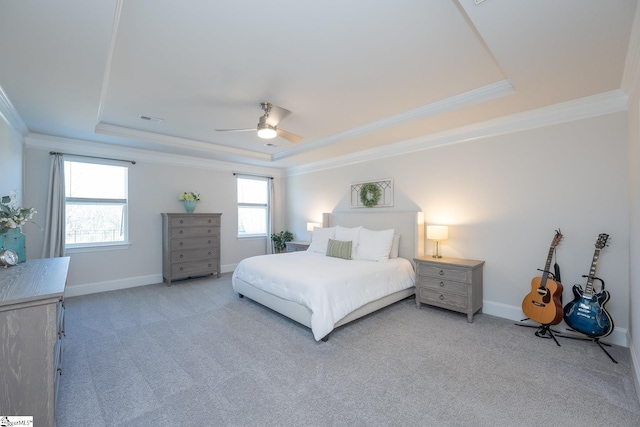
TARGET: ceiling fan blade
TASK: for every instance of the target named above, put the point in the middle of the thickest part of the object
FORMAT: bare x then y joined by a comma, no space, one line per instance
276,115
235,130
291,137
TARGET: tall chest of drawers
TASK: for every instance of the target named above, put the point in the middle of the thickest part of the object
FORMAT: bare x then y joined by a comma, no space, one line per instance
451,283
190,245
31,337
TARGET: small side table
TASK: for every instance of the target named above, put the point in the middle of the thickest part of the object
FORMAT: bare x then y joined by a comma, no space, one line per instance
297,246
451,283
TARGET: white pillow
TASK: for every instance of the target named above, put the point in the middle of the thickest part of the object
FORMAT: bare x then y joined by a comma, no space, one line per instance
349,234
320,239
395,246
374,245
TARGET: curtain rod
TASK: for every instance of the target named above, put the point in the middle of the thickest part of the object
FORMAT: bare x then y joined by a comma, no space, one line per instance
92,157
248,174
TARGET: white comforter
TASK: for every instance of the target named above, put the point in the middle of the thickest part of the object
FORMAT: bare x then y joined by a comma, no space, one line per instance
330,287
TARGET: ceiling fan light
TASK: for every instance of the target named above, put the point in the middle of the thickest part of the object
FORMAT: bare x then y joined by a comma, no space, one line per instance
267,133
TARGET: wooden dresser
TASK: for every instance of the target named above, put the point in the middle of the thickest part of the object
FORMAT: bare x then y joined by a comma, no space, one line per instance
31,337
451,283
190,245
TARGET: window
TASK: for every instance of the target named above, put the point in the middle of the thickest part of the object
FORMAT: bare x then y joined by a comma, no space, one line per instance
253,206
95,203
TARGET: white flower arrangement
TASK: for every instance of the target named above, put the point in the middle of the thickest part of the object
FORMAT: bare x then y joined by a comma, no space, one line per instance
12,215
190,195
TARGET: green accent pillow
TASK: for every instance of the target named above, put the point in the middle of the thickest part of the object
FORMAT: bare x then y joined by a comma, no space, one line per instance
339,249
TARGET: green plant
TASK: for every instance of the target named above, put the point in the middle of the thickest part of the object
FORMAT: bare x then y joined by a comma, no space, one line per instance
369,194
189,195
12,215
280,240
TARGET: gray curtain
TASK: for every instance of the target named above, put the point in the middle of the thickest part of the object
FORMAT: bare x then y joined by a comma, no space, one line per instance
54,230
271,214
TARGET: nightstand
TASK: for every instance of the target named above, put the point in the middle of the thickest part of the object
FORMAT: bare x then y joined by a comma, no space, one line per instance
451,283
297,246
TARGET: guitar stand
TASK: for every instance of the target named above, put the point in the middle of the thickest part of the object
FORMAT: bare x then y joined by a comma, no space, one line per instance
595,340
544,331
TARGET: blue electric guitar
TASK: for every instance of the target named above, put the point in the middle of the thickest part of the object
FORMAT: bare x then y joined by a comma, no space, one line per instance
586,313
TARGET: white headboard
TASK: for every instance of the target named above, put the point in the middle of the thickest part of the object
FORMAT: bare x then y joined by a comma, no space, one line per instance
410,225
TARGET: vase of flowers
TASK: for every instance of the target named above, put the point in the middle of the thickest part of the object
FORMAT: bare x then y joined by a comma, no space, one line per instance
12,217
190,199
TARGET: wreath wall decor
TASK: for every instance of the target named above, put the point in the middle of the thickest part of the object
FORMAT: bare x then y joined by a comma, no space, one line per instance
369,194
372,194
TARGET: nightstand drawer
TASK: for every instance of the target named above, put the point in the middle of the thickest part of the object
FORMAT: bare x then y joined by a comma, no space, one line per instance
451,283
443,299
461,275
441,285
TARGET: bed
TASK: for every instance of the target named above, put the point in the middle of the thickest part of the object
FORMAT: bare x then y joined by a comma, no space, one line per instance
324,292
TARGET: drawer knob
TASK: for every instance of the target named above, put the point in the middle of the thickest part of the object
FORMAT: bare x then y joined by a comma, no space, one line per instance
209,231
181,231
209,241
209,253
181,221
441,284
181,243
441,297
209,264
441,273
209,221
181,268
181,256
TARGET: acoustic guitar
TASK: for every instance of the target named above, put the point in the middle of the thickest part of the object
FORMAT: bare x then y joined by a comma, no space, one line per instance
586,313
543,303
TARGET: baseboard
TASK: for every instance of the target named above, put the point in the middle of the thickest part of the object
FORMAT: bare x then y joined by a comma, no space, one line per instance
619,336
130,282
635,366
111,285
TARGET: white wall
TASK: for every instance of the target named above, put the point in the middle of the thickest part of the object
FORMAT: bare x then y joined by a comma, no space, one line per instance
154,184
634,228
10,159
503,197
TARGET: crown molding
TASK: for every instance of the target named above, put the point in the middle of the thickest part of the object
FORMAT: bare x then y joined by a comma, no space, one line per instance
91,148
483,94
10,114
592,106
176,142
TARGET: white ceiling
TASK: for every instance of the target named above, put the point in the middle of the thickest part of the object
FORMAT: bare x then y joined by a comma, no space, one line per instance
356,74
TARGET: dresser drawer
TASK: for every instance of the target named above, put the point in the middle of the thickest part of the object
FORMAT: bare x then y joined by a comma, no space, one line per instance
181,232
443,299
60,325
442,285
194,255
449,273
194,243
195,268
57,368
192,220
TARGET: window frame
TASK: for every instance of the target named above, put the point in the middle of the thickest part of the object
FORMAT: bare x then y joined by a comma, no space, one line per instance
266,206
103,245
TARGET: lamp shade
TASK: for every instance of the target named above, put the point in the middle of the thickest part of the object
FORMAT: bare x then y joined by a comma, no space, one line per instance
437,232
266,131
312,225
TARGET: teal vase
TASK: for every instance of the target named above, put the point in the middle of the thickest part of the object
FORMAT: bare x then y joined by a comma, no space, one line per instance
14,239
190,205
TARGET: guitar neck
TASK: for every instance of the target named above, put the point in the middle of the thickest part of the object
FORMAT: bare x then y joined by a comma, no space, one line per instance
592,273
547,266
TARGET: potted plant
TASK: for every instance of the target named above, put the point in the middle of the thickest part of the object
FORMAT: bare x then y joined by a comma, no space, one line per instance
280,240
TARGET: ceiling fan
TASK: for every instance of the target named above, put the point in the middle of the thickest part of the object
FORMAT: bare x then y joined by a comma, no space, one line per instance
268,122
